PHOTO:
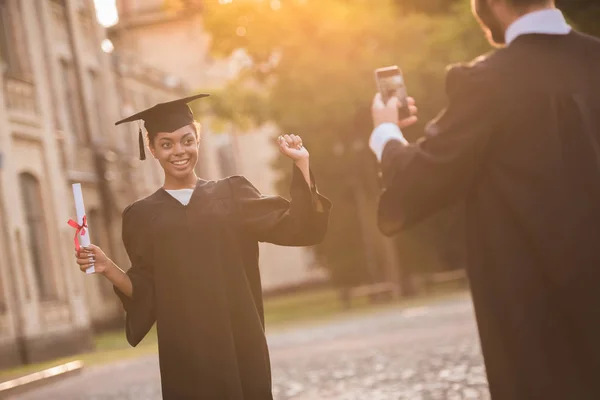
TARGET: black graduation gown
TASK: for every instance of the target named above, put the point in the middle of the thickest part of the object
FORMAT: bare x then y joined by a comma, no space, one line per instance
195,272
520,143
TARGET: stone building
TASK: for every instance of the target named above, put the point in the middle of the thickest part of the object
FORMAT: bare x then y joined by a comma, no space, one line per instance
60,97
45,145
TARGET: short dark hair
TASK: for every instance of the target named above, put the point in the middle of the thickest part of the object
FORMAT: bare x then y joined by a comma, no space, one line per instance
529,3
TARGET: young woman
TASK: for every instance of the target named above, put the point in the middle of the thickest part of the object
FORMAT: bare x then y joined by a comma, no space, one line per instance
193,246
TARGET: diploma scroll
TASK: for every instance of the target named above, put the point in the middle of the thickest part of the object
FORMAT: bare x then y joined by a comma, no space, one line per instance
82,230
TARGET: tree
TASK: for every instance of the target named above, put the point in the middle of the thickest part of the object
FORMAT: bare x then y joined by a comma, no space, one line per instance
584,14
312,63
427,6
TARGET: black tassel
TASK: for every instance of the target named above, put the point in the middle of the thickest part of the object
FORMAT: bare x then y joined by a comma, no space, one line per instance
142,146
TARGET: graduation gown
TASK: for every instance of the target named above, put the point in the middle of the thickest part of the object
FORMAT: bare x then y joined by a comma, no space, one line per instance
195,272
519,143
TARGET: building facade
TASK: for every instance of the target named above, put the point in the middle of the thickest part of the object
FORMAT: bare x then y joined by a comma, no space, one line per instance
44,146
60,97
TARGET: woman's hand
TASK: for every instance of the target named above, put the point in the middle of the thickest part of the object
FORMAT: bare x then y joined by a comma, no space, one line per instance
93,255
291,146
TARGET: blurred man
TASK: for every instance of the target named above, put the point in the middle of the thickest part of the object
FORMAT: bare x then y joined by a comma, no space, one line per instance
520,143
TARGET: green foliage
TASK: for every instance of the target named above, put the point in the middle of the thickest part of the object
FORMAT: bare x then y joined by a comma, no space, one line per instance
427,6
584,14
312,74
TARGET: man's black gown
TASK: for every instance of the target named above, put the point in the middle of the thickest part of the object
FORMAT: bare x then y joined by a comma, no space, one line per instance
520,143
195,272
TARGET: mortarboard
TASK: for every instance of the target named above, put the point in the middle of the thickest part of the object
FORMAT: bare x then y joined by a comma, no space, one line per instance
163,117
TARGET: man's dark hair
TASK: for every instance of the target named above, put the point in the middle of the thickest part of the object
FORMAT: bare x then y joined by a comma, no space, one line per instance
529,3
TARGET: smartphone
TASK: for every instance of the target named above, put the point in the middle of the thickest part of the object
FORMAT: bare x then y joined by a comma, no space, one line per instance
390,82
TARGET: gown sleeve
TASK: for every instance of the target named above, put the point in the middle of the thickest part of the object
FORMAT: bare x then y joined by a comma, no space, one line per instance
140,308
422,178
303,221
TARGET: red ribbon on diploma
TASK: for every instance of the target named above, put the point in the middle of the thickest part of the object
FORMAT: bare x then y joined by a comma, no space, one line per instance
80,230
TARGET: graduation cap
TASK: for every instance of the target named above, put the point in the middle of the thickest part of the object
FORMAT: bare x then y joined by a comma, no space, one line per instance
163,117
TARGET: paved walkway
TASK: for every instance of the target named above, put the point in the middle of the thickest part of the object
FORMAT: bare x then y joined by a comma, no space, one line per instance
417,354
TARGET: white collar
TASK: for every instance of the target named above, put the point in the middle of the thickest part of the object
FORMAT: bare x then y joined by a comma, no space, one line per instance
549,22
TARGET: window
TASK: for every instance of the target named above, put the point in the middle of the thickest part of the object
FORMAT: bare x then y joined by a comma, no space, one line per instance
14,60
7,57
88,24
3,243
97,94
3,307
59,22
71,91
48,59
38,236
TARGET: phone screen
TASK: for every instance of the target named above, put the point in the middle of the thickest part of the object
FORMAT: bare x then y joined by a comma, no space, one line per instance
391,83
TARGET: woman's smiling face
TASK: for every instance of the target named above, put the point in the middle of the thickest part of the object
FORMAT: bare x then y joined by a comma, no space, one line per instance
177,152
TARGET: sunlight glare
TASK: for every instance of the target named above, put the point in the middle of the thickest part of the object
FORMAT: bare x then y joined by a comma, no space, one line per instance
240,31
107,46
106,12
275,4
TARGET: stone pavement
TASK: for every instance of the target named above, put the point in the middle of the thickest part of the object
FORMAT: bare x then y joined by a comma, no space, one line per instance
417,354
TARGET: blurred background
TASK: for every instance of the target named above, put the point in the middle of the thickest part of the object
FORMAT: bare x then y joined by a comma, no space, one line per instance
71,68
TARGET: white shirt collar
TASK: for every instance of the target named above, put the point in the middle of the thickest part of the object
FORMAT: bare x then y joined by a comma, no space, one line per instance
549,22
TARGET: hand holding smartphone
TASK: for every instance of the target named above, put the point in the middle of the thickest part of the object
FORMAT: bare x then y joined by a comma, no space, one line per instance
390,83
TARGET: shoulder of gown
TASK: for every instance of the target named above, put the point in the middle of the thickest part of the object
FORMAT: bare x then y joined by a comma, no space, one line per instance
477,74
142,205
241,187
